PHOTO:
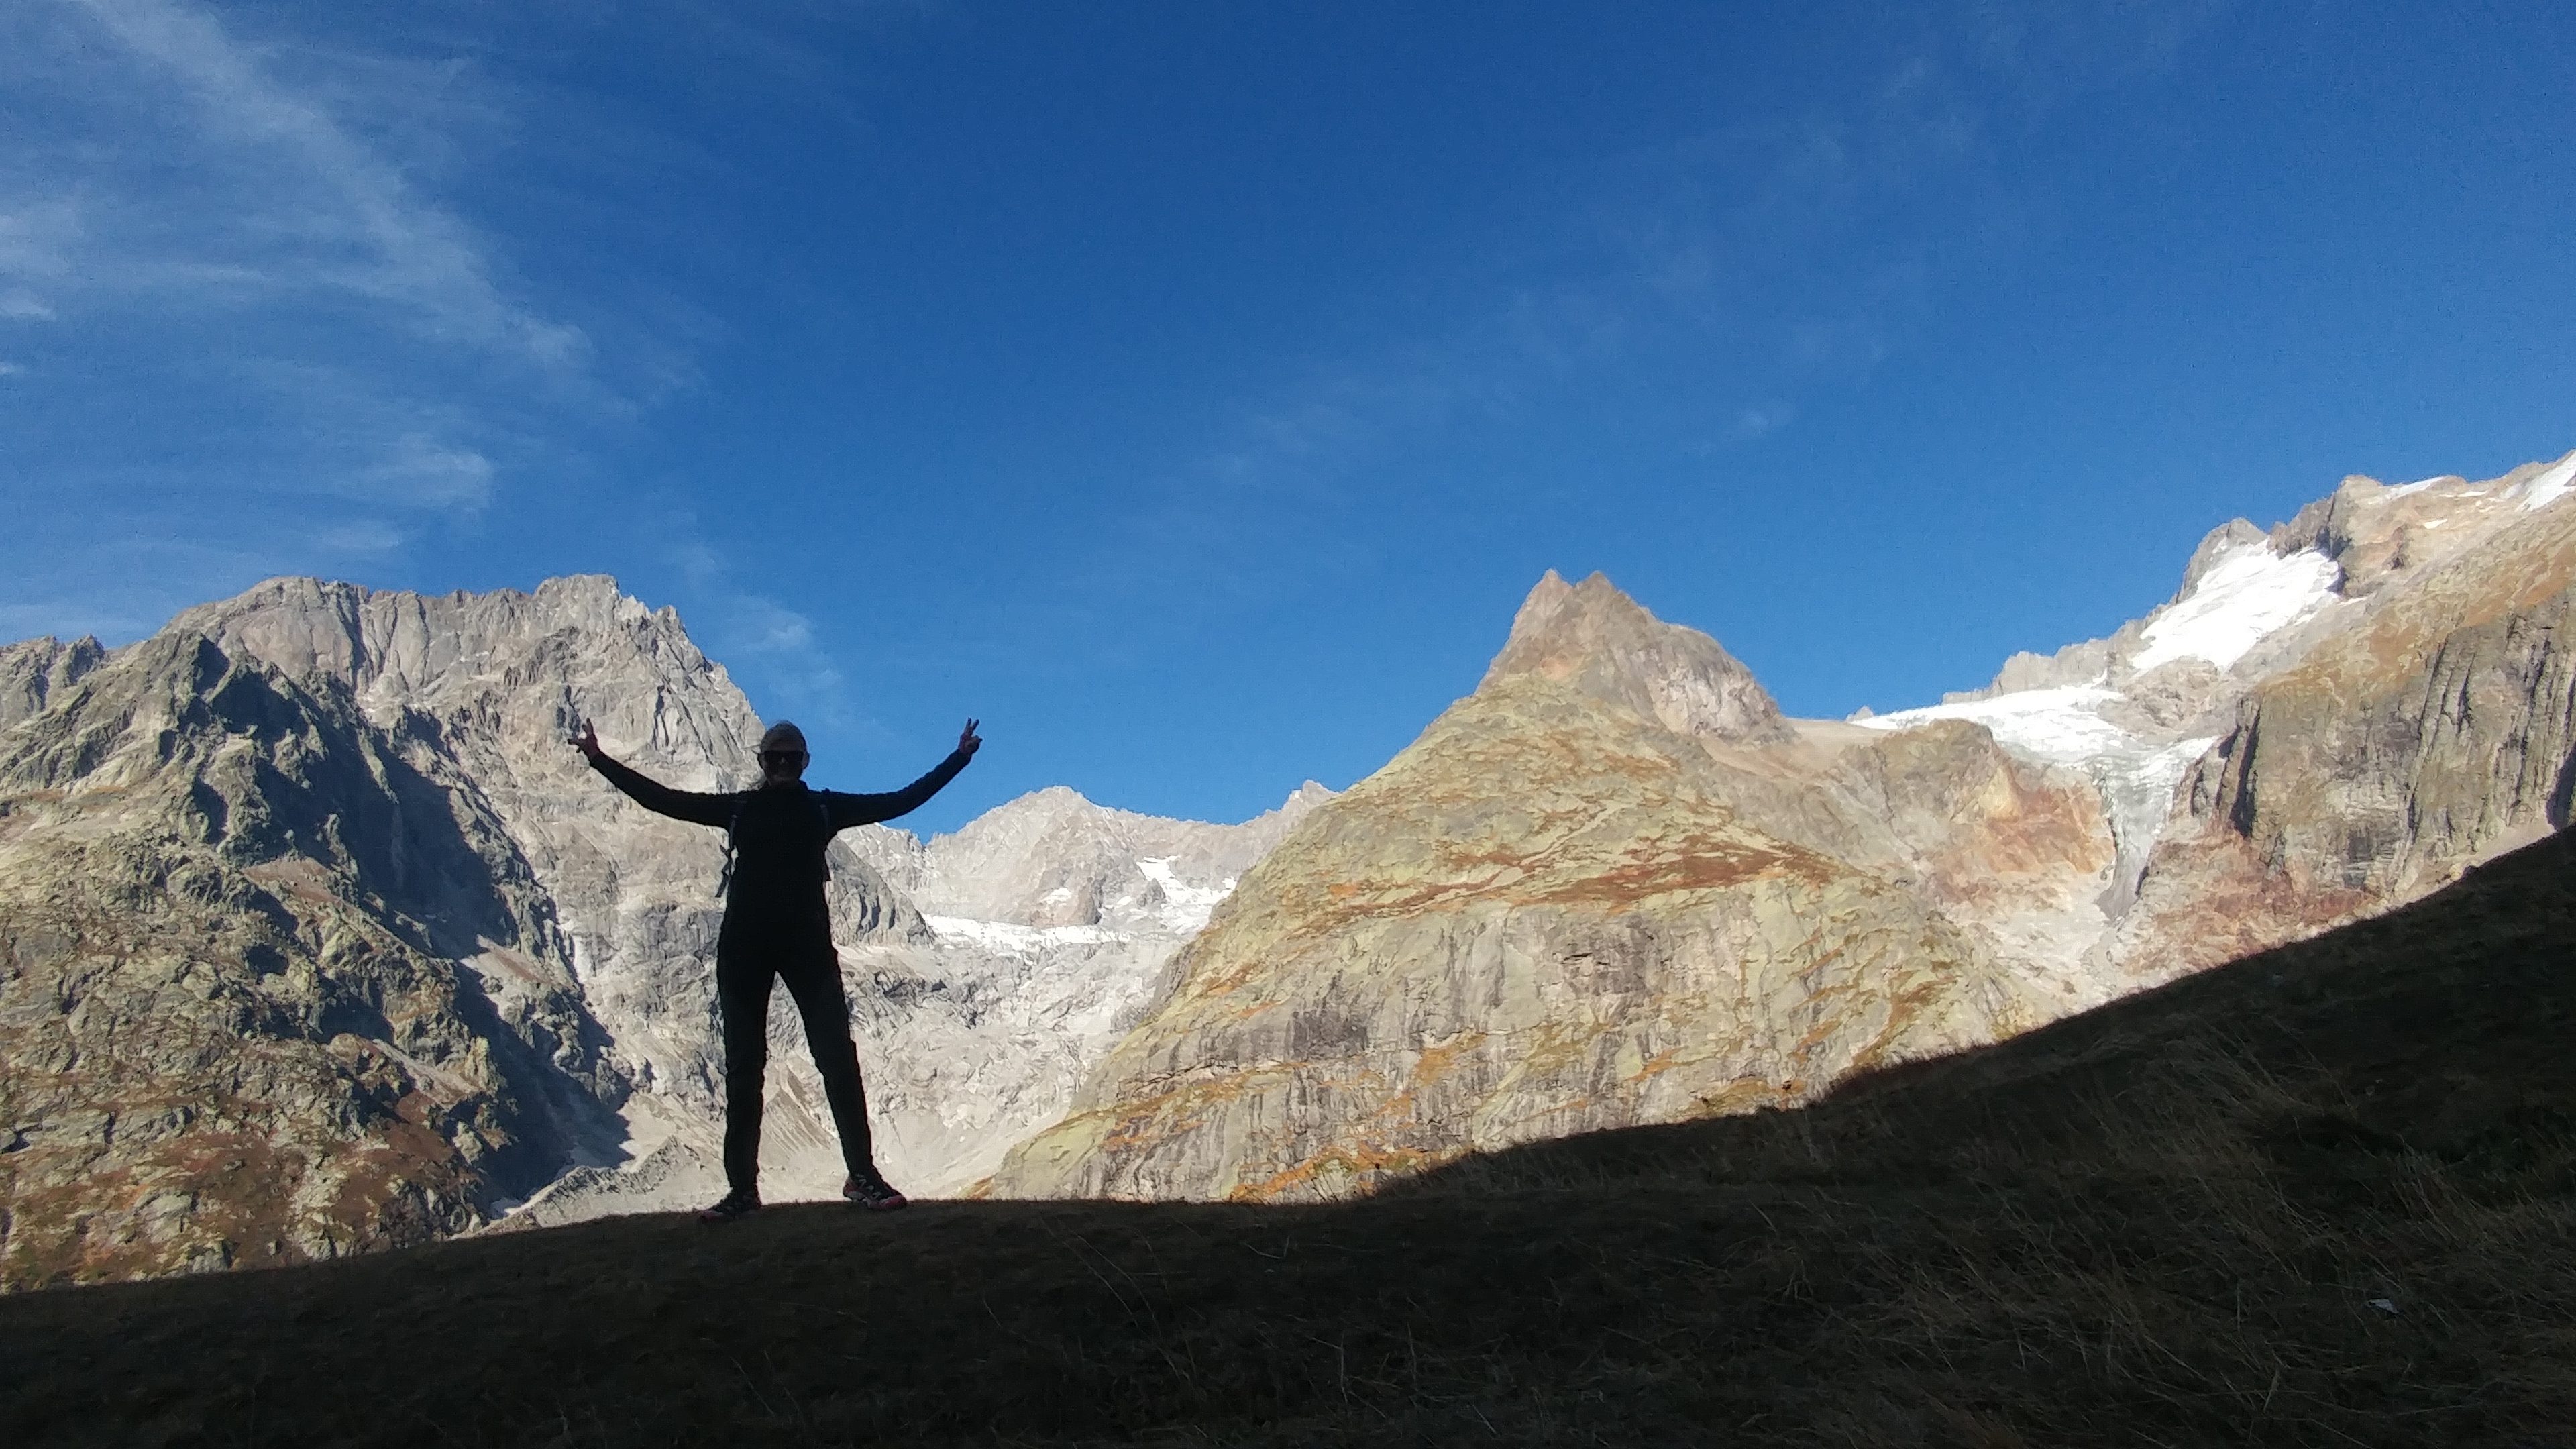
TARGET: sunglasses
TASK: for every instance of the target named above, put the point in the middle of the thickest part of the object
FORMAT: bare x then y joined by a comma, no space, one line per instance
782,757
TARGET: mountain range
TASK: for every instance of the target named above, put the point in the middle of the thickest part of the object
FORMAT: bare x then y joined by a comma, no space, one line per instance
318,939
1615,885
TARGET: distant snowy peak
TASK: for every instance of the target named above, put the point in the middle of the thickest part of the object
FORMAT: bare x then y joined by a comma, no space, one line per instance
2379,533
2133,710
2534,485
2253,601
1052,859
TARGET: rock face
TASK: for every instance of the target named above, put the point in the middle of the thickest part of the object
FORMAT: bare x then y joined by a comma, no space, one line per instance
40,669
2425,722
280,982
315,936
1615,886
2330,718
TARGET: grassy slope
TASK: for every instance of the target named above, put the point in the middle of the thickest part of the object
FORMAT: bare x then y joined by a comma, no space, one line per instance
2162,1223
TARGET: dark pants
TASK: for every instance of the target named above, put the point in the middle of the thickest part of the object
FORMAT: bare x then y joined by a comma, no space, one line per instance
745,965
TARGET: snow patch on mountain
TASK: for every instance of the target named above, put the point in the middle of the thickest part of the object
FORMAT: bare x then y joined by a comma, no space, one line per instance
2061,726
2066,726
1185,907
2245,596
1010,936
2546,488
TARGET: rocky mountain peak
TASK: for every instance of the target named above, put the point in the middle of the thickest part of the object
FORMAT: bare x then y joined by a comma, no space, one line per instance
2379,533
35,672
1304,798
395,644
1602,642
2233,536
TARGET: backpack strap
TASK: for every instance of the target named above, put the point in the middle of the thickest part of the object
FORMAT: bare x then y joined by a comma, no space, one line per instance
724,880
823,817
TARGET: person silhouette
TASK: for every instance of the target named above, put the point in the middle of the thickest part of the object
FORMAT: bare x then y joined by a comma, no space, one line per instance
778,927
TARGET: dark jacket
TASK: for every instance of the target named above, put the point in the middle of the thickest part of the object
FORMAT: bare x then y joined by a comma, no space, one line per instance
779,835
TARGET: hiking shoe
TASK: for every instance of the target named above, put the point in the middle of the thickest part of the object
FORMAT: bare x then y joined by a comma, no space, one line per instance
872,1192
736,1204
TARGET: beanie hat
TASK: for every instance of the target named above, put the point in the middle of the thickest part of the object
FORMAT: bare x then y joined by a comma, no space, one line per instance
782,736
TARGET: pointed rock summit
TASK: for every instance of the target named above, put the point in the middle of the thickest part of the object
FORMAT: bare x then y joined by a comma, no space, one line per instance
1575,902
1602,642
39,669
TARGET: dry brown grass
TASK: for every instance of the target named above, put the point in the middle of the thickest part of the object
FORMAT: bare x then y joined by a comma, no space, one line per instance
2173,1222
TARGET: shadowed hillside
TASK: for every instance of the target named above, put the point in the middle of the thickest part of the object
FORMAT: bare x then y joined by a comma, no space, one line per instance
2321,1196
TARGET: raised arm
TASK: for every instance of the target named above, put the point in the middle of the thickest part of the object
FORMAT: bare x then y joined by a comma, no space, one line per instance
650,793
844,811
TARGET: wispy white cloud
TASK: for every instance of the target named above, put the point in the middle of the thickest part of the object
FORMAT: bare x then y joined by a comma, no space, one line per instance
36,240
315,206
1744,253
420,470
243,307
1761,422
702,566
359,539
128,574
775,650
766,626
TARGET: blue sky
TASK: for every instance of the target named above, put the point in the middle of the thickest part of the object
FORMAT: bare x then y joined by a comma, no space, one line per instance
1193,391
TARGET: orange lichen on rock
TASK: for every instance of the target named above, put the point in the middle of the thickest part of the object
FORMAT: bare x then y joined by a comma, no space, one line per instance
1339,1171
